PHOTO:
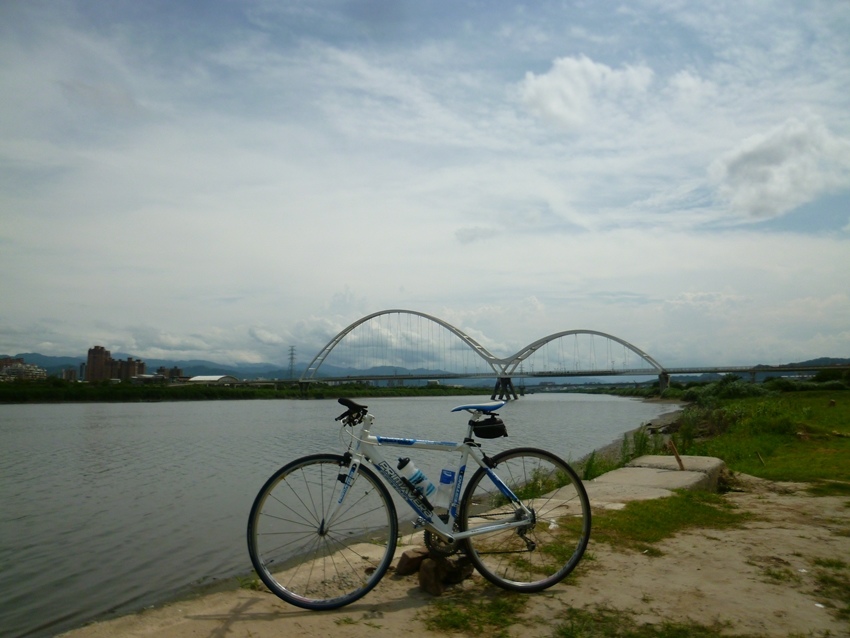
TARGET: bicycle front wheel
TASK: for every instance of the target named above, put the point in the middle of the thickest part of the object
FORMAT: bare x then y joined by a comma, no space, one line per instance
542,552
309,549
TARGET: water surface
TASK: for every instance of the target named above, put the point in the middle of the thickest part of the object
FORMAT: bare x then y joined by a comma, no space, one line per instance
108,508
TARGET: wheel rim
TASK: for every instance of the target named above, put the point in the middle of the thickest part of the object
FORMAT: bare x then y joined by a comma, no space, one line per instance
311,557
543,552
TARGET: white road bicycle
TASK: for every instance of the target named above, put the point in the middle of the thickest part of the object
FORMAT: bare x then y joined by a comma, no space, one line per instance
323,529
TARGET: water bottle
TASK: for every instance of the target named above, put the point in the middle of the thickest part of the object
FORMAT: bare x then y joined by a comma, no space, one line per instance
446,489
416,477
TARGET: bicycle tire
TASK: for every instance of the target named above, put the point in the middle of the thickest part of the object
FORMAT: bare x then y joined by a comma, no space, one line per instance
308,560
534,557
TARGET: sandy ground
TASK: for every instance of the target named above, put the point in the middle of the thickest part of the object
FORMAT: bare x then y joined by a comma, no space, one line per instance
759,580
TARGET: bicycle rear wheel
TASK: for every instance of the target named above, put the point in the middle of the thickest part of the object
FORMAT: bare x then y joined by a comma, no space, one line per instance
310,552
537,555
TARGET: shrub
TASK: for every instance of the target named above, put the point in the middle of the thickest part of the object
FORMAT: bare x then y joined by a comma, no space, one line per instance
729,387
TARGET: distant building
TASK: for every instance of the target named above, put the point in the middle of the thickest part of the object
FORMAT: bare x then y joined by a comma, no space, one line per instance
100,366
97,364
11,369
172,374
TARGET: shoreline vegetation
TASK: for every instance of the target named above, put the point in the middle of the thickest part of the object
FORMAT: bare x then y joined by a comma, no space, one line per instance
802,427
55,390
58,391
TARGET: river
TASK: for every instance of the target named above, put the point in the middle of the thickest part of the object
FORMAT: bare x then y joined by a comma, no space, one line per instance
109,508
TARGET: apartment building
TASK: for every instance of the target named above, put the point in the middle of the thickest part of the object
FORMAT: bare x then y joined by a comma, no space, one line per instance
100,366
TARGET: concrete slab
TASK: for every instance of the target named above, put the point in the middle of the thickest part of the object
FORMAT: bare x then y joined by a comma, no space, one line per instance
708,465
692,463
653,477
615,496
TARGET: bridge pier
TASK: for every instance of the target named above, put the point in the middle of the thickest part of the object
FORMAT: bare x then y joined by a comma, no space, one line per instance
504,388
663,382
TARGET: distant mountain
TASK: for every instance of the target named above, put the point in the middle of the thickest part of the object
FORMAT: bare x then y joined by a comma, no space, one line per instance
195,367
823,361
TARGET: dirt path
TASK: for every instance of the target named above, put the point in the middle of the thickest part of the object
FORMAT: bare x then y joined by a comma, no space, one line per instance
759,580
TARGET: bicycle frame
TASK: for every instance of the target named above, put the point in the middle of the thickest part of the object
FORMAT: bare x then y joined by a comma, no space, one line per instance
323,529
366,445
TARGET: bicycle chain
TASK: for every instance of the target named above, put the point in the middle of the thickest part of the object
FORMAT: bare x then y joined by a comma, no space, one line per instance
437,545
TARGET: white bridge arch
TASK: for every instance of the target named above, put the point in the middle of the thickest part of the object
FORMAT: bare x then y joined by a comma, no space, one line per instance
503,368
522,355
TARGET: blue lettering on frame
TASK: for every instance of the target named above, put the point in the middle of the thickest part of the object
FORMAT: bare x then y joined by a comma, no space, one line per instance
394,441
389,440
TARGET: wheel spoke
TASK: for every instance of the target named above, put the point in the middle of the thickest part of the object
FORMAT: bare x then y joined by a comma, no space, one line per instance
311,554
536,556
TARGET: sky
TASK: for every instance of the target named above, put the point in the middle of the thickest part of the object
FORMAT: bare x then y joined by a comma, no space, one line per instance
224,179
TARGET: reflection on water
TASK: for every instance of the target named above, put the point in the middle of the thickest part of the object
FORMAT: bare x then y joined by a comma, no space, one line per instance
108,508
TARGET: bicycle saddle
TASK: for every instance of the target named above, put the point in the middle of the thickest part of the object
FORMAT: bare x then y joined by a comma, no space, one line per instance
486,406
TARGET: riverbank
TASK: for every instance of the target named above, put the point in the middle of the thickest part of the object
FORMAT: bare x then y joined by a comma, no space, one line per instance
761,579
781,570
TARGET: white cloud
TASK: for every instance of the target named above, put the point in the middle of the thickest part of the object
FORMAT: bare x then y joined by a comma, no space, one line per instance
768,175
691,90
577,90
266,337
277,176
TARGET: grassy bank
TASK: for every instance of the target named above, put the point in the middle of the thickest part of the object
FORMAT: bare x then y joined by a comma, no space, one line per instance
780,431
796,436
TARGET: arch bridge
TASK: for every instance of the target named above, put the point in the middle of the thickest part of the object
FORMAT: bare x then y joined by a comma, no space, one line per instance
399,345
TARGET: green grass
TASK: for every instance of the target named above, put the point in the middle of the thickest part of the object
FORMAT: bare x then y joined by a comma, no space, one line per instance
596,465
641,524
833,582
831,563
345,620
780,575
603,622
802,437
636,444
251,583
483,613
